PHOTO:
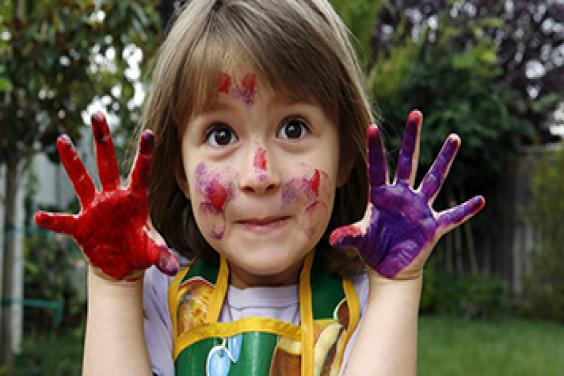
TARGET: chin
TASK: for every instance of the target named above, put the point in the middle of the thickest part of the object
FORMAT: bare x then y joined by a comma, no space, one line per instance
267,265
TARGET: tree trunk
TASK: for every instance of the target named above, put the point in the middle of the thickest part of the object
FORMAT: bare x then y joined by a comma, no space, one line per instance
13,175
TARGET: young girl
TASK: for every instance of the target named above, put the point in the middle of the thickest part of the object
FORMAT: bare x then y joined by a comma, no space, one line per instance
254,131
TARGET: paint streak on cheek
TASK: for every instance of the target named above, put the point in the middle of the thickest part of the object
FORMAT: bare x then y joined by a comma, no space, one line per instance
216,189
311,193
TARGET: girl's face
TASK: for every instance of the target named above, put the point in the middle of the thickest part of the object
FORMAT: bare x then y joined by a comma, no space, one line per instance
261,176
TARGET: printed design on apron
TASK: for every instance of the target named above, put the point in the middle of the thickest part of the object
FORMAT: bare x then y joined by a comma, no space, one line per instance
259,346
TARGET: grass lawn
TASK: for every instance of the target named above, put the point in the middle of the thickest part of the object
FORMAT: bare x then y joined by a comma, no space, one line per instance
447,346
454,346
56,355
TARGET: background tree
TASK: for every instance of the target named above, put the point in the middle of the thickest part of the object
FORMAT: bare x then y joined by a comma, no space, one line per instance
56,57
528,38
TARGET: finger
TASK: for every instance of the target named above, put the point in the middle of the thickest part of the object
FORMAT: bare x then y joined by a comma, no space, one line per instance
409,153
459,214
141,173
81,181
166,262
346,237
433,180
105,153
61,223
377,166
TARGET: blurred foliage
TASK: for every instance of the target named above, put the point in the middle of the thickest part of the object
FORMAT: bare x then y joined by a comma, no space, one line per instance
472,296
56,57
544,284
54,270
523,37
59,355
456,87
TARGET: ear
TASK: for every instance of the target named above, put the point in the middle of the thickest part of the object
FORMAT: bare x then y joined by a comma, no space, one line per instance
181,180
345,167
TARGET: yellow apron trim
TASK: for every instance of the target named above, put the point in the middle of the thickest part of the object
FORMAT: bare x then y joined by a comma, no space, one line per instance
354,314
228,329
219,292
173,298
306,317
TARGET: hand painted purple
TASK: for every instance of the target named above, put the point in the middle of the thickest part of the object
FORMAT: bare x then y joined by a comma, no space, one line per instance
402,223
433,180
460,213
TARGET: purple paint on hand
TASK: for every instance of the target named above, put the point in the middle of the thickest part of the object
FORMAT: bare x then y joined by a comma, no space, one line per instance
401,222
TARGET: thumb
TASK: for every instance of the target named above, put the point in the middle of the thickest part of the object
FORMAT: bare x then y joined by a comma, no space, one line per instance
166,262
346,237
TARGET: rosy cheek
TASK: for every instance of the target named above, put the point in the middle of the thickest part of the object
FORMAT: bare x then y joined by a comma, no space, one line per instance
216,190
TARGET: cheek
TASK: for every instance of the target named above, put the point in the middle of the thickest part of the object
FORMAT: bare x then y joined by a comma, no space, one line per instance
307,185
213,190
311,194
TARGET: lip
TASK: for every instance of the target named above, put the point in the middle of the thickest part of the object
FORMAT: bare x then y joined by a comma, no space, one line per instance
263,225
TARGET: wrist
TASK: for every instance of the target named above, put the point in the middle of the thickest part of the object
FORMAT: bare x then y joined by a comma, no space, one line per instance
97,279
380,285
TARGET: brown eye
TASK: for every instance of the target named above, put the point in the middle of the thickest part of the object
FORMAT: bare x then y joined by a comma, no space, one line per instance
293,128
220,134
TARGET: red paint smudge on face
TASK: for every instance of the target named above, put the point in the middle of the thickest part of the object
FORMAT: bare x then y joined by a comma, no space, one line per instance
217,194
314,183
260,160
224,84
249,88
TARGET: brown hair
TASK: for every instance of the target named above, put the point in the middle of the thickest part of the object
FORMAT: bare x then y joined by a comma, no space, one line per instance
299,47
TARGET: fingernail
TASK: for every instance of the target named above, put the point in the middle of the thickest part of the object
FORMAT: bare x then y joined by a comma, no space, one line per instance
415,116
98,121
147,142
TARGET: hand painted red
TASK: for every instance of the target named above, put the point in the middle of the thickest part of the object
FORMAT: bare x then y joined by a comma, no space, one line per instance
111,228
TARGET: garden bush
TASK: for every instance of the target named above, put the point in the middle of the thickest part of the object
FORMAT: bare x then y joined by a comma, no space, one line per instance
544,284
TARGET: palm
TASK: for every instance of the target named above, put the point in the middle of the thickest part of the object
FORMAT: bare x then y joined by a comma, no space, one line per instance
400,227
111,226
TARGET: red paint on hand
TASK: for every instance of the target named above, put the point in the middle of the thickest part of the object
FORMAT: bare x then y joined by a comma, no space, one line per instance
217,194
224,84
260,160
111,226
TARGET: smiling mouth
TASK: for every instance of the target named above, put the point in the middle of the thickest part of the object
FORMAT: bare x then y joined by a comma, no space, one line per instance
263,224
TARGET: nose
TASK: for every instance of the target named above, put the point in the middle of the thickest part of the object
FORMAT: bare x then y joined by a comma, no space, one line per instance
259,174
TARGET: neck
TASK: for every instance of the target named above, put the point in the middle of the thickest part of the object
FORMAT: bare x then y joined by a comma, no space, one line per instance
242,279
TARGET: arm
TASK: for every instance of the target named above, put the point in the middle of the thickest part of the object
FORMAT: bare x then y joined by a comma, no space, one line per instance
395,238
115,342
112,232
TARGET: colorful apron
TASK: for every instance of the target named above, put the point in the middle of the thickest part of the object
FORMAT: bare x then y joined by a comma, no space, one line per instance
259,346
